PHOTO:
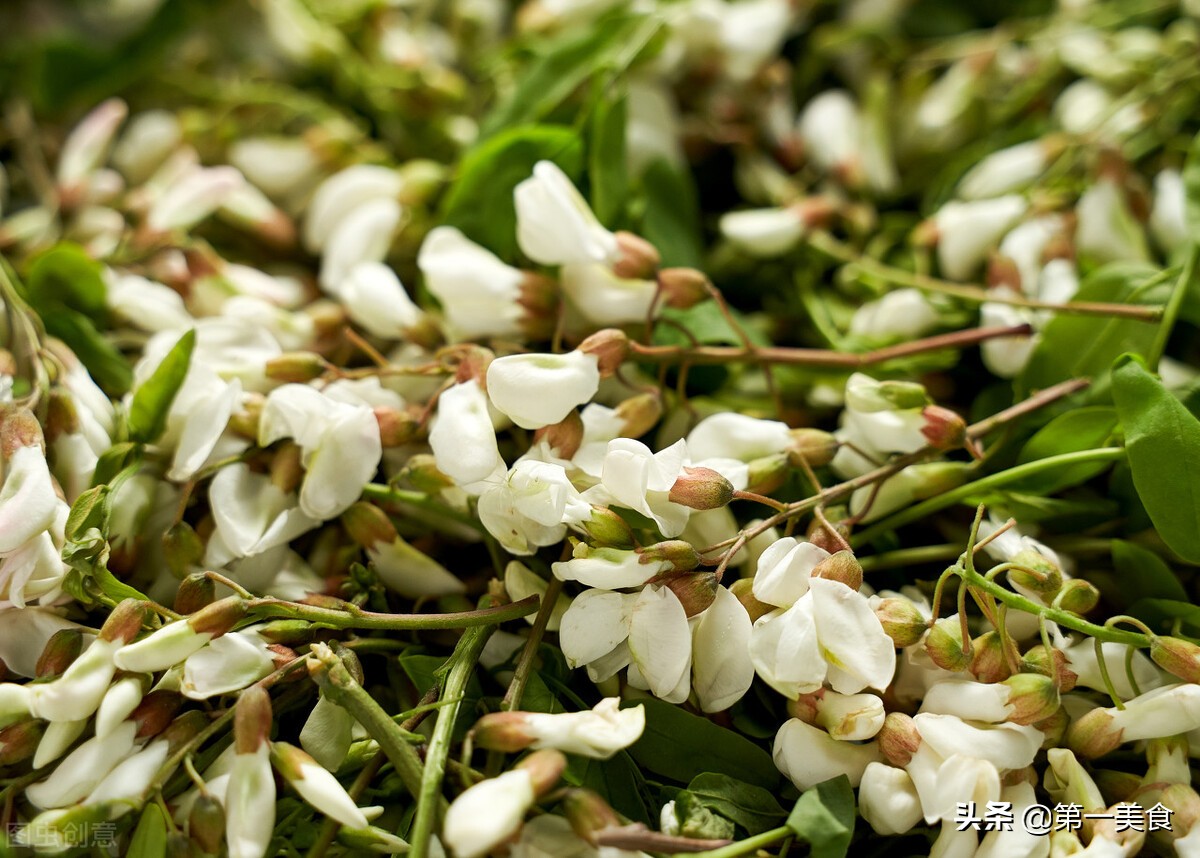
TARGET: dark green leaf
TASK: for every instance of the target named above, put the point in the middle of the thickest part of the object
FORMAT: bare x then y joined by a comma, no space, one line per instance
1160,612
618,780
1086,346
752,808
1143,574
824,816
606,160
152,400
67,275
1163,441
104,363
480,202
113,460
425,671
1081,429
670,221
680,745
150,837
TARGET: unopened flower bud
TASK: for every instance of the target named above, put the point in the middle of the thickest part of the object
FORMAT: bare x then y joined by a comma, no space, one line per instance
1078,596
19,742
289,632
396,427
63,648
176,641
1039,575
988,662
154,713
545,768
743,589
898,739
1184,800
639,414
1177,656
850,717
20,429
943,429
696,591
503,731
680,553
296,367
701,489
607,529
316,785
1094,734
62,418
1033,697
610,347
944,644
684,287
125,621
244,420
368,525
767,473
1052,663
588,813
901,621
287,469
832,537
183,549
252,719
206,823
1054,728
637,258
196,591
841,566
563,437
812,446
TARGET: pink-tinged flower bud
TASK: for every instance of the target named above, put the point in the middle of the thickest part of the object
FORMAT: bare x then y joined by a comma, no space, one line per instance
183,549
898,739
296,366
743,589
87,146
175,641
368,525
125,621
396,428
901,621
1052,663
422,471
607,529
680,553
637,259
841,566
154,713
1175,656
988,661
943,429
192,198
639,414
20,429
196,591
252,720
62,418
827,539
1094,734
61,650
684,287
545,768
316,785
1184,800
812,446
610,347
287,468
1054,728
1078,596
1040,574
588,813
19,742
944,644
206,823
1033,697
767,473
696,591
503,731
564,437
701,489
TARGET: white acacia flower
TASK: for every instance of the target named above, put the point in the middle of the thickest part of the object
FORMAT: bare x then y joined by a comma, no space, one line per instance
376,300
729,435
148,138
807,755
751,32
79,691
488,813
1106,230
252,515
339,443
24,635
902,314
316,785
250,804
1005,356
608,568
763,233
597,733
531,506
1005,171
603,297
145,304
1082,660
888,800
635,478
363,235
278,165
193,197
343,193
34,572
463,437
122,697
479,294
784,569
561,382
28,504
722,671
328,733
1168,218
130,778
229,663
830,128
968,230
411,573
520,582
86,147
555,226
79,773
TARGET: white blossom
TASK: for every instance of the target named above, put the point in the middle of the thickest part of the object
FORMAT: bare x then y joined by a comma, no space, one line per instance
562,382
488,813
479,294
807,755
463,438
968,230
555,226
763,233
597,733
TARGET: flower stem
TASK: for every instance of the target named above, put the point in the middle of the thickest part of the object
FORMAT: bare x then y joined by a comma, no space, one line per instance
748,846
376,491
516,688
1174,305
351,617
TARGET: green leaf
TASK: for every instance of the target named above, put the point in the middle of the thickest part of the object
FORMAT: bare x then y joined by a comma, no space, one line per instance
66,274
824,816
114,460
1086,346
480,202
680,745
426,671
1163,441
752,808
670,221
1081,429
150,837
152,400
103,361
606,160
618,780
1143,574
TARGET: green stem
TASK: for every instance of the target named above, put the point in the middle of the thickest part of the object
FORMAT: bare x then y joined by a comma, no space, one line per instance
463,661
940,502
351,617
516,688
749,845
910,556
1174,305
337,683
375,491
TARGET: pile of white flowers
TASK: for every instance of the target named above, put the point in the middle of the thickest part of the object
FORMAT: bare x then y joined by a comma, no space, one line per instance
315,466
